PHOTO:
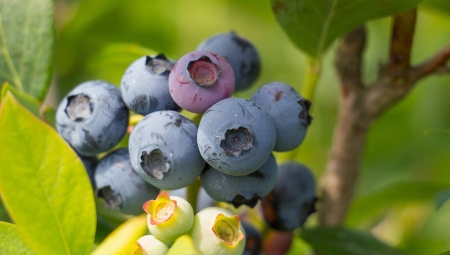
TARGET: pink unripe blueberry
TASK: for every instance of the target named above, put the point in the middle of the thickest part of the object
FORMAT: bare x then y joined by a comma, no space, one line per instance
200,79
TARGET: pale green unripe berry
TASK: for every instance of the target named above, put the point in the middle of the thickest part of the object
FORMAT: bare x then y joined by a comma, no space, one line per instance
149,245
169,217
217,231
183,245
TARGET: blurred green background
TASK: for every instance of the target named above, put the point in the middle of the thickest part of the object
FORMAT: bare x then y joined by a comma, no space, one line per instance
405,175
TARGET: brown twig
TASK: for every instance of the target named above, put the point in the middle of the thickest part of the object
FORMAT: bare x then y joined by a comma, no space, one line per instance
436,64
401,40
361,105
342,169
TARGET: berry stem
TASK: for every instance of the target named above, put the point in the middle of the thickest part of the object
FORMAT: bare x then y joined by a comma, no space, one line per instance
312,73
134,119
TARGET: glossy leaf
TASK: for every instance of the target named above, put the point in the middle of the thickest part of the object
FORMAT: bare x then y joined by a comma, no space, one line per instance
341,241
12,241
313,25
44,185
26,44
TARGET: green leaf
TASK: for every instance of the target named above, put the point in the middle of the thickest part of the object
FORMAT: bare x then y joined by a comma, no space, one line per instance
337,241
111,62
440,5
444,252
44,185
399,193
12,241
313,25
441,198
26,45
31,103
3,213
50,116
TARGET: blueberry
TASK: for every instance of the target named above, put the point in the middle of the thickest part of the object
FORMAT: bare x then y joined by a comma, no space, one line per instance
163,150
199,80
277,242
254,239
239,52
289,111
119,185
203,199
145,87
239,190
90,163
92,117
236,136
293,198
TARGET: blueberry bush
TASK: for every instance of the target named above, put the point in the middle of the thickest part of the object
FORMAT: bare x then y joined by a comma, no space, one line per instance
224,127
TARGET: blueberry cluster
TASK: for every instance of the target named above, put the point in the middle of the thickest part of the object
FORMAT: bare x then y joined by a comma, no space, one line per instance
230,150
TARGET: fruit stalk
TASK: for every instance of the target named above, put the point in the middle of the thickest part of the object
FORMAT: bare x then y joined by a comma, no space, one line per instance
192,193
311,77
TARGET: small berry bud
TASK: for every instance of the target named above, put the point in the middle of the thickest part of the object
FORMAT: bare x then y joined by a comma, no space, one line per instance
183,245
168,216
147,245
218,231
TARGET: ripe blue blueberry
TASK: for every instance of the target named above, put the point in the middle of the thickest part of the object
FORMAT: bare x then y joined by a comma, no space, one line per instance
254,239
90,163
203,199
239,190
200,79
236,136
293,198
119,185
289,111
239,52
92,117
163,150
145,87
